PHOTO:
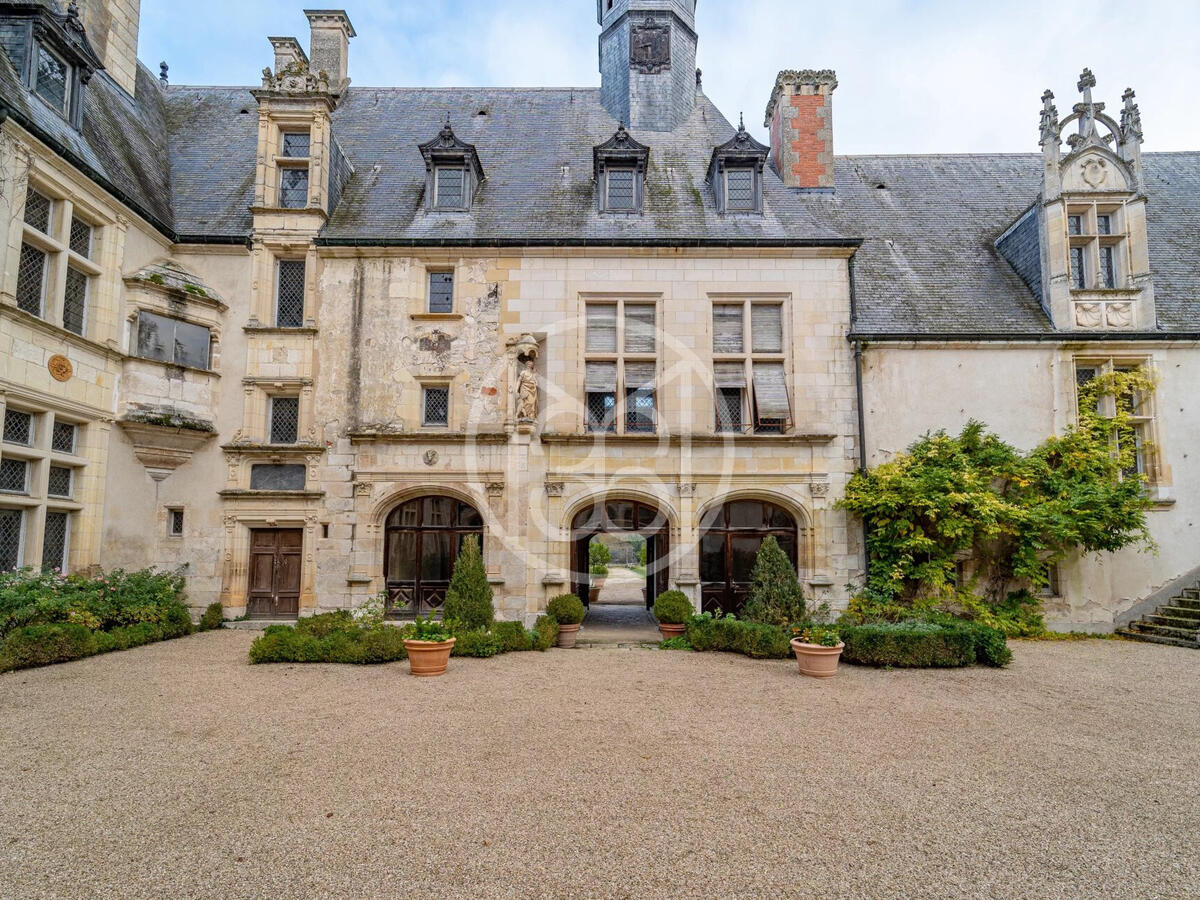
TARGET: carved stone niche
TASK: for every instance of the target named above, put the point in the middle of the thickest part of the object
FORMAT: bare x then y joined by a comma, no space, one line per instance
163,448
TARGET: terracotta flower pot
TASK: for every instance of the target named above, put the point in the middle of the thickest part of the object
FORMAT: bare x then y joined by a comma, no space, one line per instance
593,594
428,658
816,660
670,631
567,635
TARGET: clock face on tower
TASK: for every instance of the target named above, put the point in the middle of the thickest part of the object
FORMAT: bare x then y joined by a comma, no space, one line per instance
650,47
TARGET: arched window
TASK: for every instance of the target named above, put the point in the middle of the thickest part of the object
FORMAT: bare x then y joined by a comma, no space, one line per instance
422,540
730,536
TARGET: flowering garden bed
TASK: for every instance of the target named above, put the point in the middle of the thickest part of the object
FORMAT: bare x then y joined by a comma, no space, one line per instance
48,618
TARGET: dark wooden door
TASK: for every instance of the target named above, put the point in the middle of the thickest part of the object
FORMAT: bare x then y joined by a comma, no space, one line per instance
275,559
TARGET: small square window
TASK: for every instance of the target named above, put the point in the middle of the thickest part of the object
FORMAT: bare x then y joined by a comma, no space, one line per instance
448,188
1075,224
441,292
18,427
601,411
14,476
62,440
175,522
295,144
285,420
740,190
289,297
293,187
621,193
81,237
31,280
37,211
1104,224
51,80
12,534
435,403
60,482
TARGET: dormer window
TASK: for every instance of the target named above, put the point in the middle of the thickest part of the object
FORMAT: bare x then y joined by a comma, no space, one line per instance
52,80
619,166
453,172
51,53
736,174
293,164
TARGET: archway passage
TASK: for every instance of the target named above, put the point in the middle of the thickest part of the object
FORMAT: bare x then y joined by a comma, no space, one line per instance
621,516
730,536
421,542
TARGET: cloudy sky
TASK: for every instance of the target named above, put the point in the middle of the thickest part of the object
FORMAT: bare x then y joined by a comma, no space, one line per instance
915,75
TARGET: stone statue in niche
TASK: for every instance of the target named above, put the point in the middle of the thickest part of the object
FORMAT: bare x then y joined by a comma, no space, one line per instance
527,392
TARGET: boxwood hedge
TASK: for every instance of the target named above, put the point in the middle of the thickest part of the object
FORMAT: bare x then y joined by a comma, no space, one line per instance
924,645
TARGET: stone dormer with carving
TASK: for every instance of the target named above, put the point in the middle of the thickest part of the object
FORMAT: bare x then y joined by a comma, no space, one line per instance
735,174
619,168
301,170
453,172
1094,261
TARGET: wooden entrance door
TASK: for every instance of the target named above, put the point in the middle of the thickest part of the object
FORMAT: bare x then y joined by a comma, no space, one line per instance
275,557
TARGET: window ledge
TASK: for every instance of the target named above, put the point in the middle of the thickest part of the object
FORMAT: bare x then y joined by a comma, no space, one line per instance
132,357
1105,292
259,447
248,492
250,328
436,317
703,438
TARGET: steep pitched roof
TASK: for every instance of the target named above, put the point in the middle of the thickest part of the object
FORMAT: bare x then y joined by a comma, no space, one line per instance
928,263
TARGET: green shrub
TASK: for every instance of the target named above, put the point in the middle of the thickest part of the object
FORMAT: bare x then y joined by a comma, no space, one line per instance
733,635
43,645
380,644
700,632
546,631
566,609
326,623
673,608
676,643
477,643
214,617
991,647
599,556
469,597
776,597
513,636
909,645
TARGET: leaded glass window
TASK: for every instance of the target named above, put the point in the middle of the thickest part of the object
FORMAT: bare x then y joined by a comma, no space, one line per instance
293,187
175,522
285,420
289,297
441,292
1078,268
14,476
37,211
12,531
448,188
18,427
739,187
60,481
435,403
75,301
62,440
296,144
755,383
621,190
51,79
54,543
1108,267
31,280
81,237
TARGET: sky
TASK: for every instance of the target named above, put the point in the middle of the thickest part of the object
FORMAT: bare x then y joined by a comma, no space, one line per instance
915,76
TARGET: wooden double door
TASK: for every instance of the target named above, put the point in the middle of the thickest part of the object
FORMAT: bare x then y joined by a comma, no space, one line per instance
276,556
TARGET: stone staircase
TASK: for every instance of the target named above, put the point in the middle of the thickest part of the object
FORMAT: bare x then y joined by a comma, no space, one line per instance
1176,622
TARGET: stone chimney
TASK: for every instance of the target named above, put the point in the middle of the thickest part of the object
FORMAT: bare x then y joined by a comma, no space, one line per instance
329,45
112,30
288,54
800,117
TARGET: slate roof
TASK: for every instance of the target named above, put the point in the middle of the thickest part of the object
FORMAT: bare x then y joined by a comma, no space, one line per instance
928,263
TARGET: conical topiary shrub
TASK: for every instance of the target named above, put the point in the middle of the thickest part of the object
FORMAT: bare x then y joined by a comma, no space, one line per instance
469,597
776,597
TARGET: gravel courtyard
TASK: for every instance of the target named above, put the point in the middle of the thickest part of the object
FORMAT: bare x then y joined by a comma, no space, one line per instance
179,770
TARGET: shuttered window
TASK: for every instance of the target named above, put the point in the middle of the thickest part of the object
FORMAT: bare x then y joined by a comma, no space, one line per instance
601,377
730,375
640,409
757,381
601,328
766,328
639,328
727,329
770,393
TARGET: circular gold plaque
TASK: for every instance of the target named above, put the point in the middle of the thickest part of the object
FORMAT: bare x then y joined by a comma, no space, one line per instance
60,367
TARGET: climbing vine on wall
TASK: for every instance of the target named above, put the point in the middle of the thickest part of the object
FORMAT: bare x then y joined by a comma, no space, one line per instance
1011,515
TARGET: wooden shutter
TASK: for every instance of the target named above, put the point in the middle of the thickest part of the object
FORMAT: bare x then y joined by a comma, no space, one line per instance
602,328
766,328
639,376
601,378
727,329
729,375
770,392
639,328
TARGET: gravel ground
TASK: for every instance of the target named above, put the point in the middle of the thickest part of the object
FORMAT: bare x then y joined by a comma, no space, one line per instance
178,770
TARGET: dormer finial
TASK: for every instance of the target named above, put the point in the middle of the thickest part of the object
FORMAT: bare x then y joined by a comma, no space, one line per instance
1049,119
163,68
1131,118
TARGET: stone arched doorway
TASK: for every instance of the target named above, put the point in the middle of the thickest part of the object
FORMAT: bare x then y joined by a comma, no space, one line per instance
730,535
422,538
610,516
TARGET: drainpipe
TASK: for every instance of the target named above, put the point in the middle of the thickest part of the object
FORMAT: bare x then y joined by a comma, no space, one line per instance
858,388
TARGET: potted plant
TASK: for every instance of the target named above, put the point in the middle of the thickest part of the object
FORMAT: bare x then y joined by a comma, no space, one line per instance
428,644
817,649
568,611
673,610
599,556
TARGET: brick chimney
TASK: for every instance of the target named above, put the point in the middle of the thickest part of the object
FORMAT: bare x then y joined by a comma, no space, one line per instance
329,45
800,116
